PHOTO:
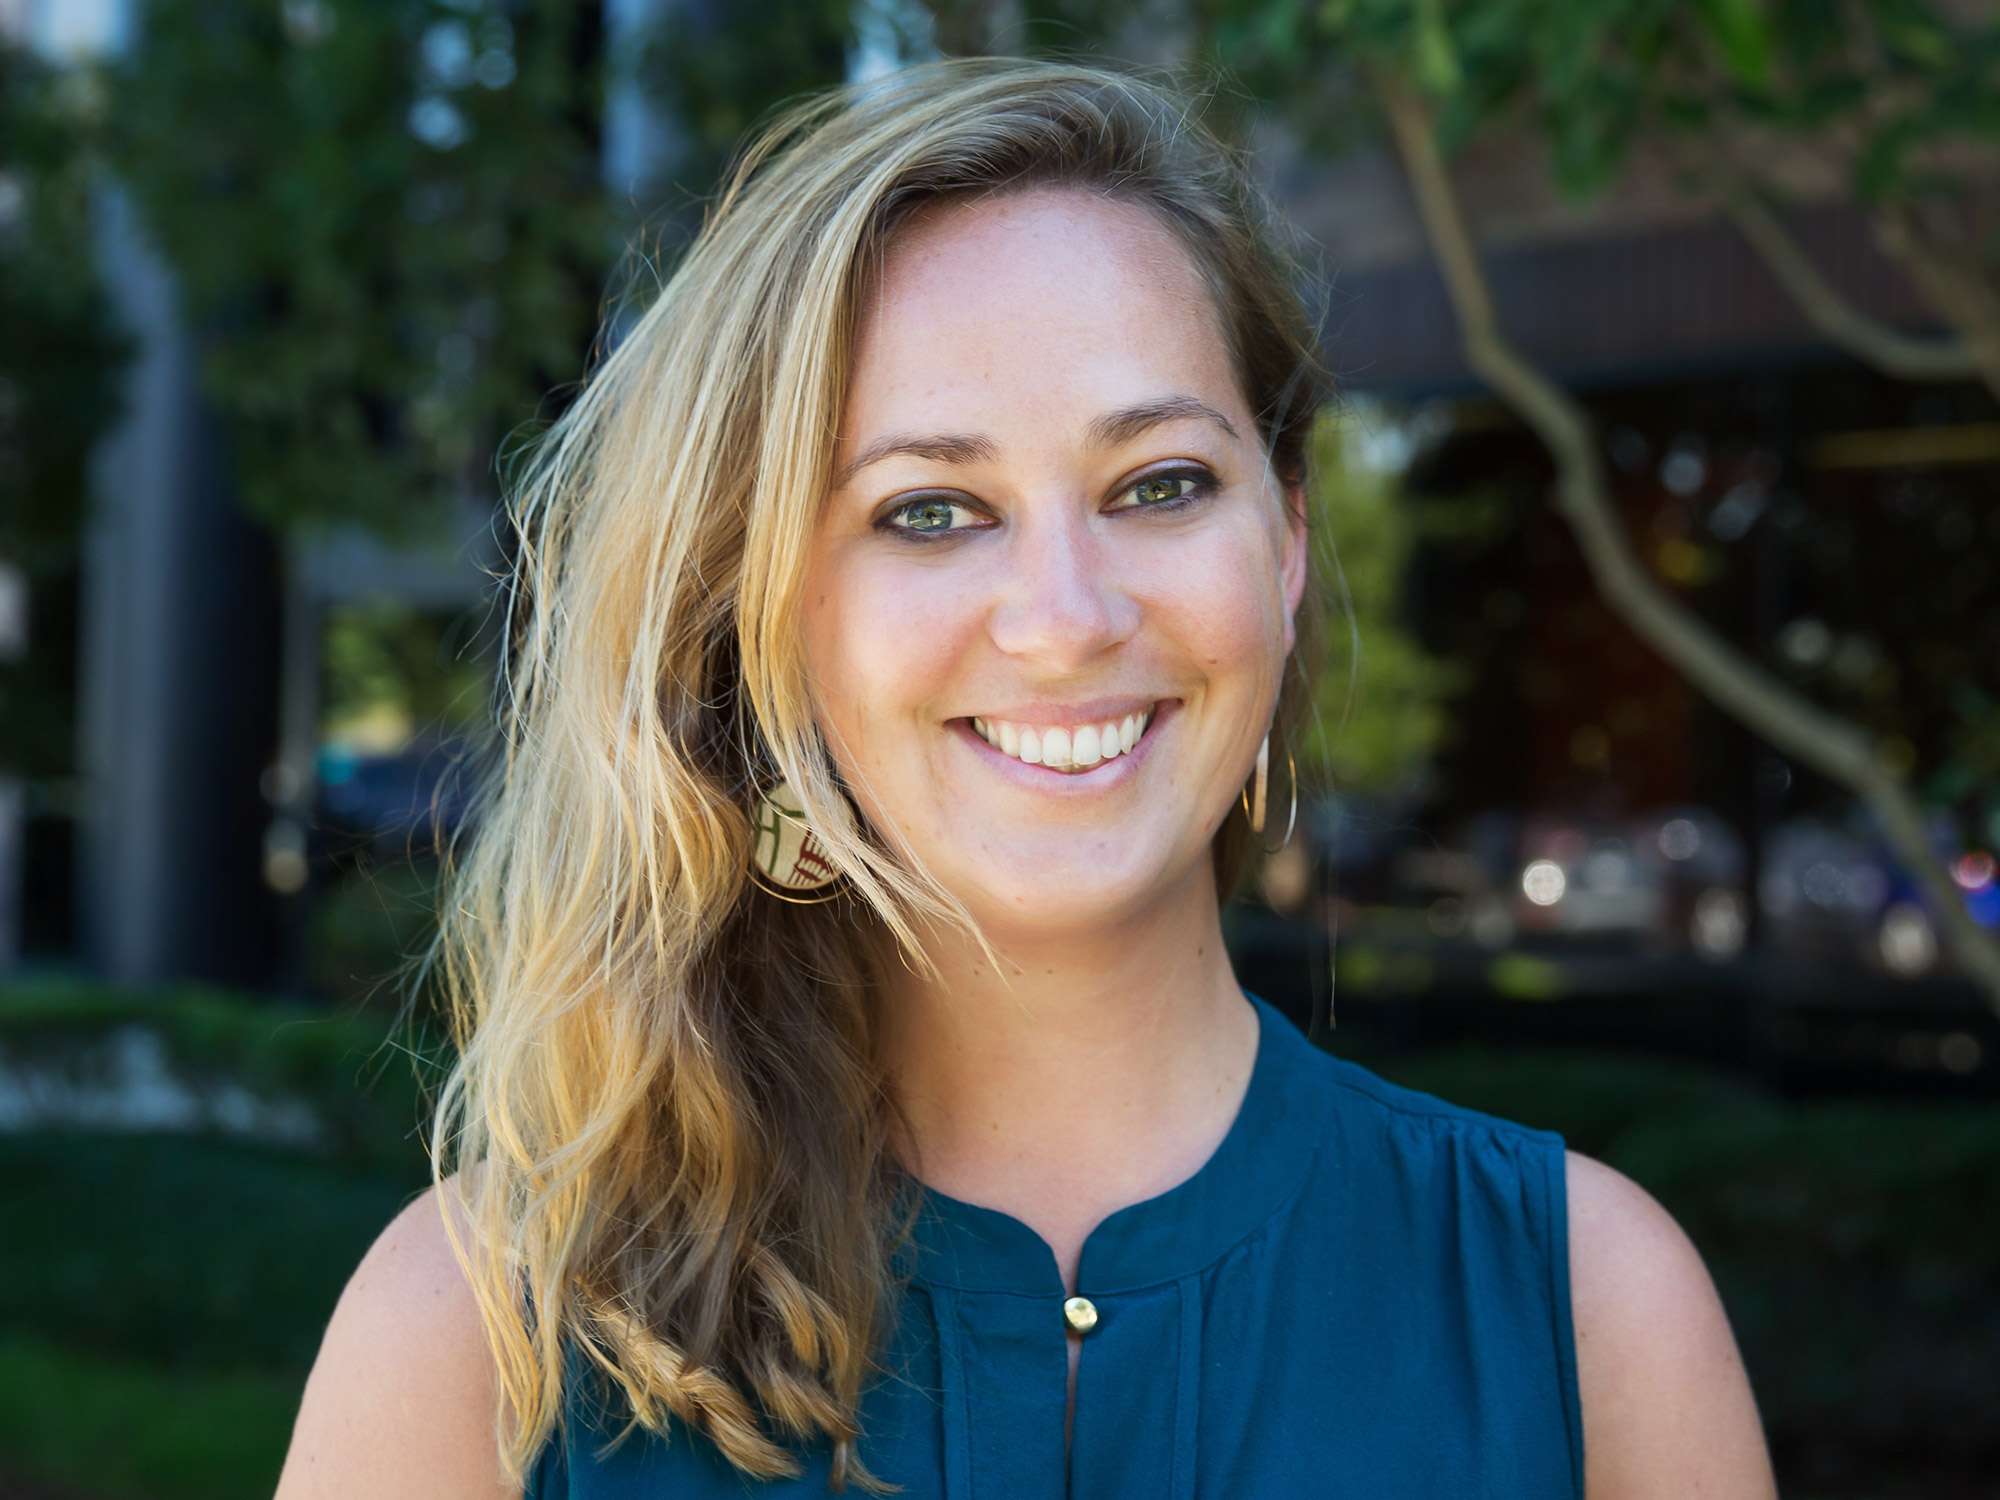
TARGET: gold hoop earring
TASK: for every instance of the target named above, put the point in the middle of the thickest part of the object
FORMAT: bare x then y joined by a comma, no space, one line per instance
1253,807
785,855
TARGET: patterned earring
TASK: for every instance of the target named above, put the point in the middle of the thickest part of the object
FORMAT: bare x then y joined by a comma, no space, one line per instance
785,851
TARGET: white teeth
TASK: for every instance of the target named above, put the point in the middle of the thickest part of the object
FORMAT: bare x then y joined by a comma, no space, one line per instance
1061,748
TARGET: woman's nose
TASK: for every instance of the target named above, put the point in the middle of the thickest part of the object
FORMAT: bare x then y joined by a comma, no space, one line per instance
1060,599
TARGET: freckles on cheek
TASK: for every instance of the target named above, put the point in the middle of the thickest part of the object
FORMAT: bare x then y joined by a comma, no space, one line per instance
896,638
1229,608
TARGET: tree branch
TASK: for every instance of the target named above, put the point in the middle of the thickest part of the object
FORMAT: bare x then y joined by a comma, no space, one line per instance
1955,291
1782,717
1839,321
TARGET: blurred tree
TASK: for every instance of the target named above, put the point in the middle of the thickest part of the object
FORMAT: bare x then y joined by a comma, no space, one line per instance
59,364
1905,93
389,228
1379,698
385,661
961,28
1896,102
717,69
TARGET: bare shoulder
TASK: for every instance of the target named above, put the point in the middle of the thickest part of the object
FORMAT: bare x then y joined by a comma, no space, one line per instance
402,1401
1667,1408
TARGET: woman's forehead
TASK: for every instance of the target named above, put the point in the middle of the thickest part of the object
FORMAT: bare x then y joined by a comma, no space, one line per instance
1055,293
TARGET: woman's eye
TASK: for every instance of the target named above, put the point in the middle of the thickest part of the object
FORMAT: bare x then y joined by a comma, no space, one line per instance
931,515
1162,489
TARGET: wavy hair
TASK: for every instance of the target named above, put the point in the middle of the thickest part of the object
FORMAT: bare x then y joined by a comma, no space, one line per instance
667,1120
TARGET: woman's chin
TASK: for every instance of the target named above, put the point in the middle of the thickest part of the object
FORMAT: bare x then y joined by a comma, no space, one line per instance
1056,897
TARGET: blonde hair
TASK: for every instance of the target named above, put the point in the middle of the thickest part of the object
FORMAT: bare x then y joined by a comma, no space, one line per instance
667,1119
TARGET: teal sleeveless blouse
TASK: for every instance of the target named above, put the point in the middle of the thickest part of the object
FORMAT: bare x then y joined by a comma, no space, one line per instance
1365,1291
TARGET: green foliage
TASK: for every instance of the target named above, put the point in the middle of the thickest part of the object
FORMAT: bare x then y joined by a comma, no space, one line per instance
1592,1099
1887,89
382,656
719,70
119,1428
387,220
370,927
161,1296
1855,1246
358,1073
1379,697
1035,28
241,1259
60,358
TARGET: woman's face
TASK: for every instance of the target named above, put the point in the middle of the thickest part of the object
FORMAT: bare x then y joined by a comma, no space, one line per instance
1051,593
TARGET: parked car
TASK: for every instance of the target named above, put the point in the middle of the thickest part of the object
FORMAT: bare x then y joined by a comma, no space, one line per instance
1672,878
1831,891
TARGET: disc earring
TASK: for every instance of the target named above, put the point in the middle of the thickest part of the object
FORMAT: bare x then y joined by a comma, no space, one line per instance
785,852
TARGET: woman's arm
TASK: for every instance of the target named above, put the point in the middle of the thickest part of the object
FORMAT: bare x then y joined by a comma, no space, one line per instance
402,1402
1667,1409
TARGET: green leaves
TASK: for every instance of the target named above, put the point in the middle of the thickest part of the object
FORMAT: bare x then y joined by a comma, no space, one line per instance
60,357
719,69
387,221
1433,59
1379,697
1738,31
59,353
1889,87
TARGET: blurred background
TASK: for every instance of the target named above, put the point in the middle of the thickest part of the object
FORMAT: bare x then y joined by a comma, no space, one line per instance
1655,792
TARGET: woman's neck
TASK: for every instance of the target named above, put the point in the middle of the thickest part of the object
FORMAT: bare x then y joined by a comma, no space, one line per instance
1095,1070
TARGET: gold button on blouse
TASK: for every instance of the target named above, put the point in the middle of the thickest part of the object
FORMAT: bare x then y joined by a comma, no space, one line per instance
1081,1314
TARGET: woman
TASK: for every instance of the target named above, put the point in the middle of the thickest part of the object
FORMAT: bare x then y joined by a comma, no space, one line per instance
854,1088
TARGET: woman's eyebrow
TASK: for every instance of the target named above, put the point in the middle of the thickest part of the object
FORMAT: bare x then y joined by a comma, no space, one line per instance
1116,427
962,448
944,448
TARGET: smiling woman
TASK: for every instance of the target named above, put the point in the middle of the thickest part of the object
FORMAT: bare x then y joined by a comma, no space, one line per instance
854,1090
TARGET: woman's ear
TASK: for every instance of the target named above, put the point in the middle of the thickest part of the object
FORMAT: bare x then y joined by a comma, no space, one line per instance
1295,559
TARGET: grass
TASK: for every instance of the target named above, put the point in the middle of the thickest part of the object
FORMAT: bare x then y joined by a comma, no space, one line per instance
121,1428
190,1253
162,1296
161,1299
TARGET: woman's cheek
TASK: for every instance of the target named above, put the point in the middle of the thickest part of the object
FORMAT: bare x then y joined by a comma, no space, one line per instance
903,632
1219,603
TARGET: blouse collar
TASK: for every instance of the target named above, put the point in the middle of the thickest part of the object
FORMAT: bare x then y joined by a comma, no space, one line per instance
1258,1167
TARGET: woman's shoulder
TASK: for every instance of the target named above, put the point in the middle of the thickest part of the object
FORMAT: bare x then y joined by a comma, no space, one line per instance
403,1399
1667,1405
1350,1092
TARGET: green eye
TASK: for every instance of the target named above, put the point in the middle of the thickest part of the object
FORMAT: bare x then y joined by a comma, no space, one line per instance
1161,488
931,517
927,515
